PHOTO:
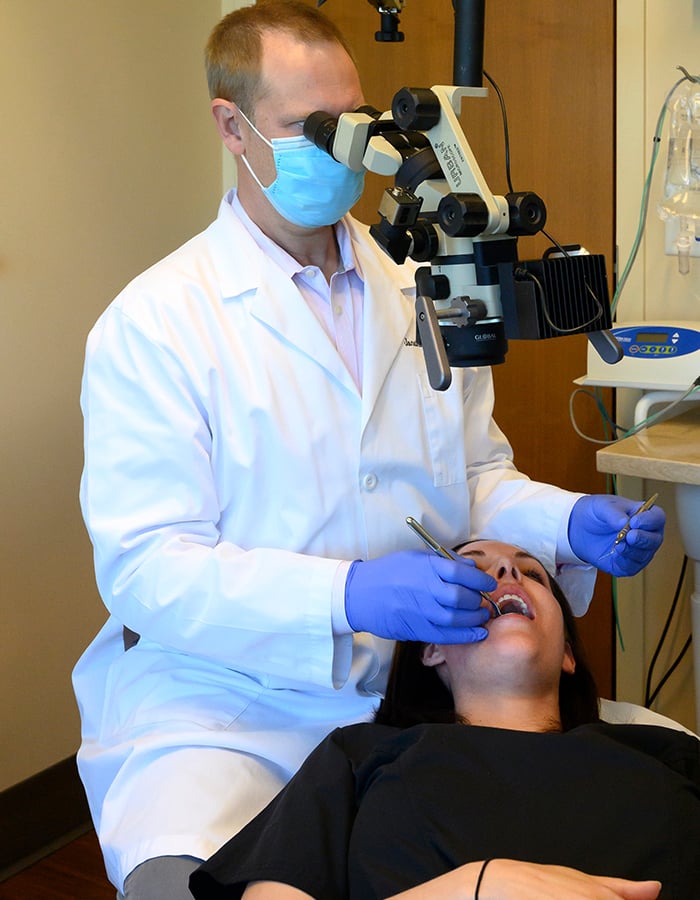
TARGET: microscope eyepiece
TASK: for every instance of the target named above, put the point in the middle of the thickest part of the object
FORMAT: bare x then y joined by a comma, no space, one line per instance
320,128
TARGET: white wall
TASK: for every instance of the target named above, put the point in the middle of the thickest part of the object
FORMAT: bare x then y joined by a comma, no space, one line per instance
654,37
108,160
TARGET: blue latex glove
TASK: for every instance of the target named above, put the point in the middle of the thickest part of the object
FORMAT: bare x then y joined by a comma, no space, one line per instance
595,522
417,596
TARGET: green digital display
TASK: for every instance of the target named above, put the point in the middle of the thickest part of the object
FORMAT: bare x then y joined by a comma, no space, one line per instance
652,337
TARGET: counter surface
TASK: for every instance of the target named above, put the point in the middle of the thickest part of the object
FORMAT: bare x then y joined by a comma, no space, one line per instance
669,451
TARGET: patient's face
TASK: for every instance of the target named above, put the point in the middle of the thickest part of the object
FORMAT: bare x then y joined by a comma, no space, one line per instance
527,639
520,576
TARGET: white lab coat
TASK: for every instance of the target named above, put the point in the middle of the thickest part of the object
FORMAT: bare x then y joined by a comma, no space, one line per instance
231,464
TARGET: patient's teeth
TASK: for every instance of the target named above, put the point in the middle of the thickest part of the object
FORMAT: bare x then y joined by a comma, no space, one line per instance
511,603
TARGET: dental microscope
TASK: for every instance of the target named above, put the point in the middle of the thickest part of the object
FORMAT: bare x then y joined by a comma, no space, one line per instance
473,293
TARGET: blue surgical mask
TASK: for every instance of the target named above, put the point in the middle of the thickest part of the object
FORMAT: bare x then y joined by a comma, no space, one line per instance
311,188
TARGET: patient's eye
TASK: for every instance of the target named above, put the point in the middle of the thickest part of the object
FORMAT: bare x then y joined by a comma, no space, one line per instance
536,575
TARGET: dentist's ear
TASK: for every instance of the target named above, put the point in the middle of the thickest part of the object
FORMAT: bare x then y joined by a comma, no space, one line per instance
227,122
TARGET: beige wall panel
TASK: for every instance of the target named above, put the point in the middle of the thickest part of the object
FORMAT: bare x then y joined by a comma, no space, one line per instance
108,160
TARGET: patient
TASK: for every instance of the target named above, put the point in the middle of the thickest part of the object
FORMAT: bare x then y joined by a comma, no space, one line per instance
486,774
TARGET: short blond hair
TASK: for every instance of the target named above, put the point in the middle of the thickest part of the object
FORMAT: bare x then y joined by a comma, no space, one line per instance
233,54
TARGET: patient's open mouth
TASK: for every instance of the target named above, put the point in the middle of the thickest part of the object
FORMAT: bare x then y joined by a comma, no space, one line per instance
512,603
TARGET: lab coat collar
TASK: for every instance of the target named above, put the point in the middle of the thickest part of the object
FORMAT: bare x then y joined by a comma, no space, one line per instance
389,316
237,258
243,269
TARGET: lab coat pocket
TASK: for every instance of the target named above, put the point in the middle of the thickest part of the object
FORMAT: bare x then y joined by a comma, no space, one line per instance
443,420
154,690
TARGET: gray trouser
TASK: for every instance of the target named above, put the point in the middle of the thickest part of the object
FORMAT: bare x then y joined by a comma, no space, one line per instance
162,878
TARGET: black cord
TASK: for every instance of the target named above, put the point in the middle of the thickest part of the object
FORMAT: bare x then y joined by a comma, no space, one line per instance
672,668
649,697
504,116
555,242
525,273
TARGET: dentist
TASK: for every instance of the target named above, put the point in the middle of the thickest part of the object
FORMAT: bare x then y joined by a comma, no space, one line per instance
258,424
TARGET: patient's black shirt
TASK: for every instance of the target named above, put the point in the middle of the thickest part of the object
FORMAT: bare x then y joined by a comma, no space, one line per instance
376,810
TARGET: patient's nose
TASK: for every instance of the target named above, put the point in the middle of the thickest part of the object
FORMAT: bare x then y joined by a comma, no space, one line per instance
507,569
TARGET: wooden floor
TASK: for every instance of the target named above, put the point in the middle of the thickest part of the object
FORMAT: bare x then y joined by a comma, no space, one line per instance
75,872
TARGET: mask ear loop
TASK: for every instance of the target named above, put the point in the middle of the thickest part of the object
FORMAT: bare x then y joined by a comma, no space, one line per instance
243,157
250,125
248,166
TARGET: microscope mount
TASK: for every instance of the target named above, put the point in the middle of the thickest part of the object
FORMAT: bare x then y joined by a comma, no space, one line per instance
474,294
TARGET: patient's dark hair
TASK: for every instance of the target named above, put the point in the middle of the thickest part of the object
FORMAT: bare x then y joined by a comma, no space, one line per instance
416,694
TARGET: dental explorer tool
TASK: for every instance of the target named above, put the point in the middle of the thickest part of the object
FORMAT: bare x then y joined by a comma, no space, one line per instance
437,547
622,533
